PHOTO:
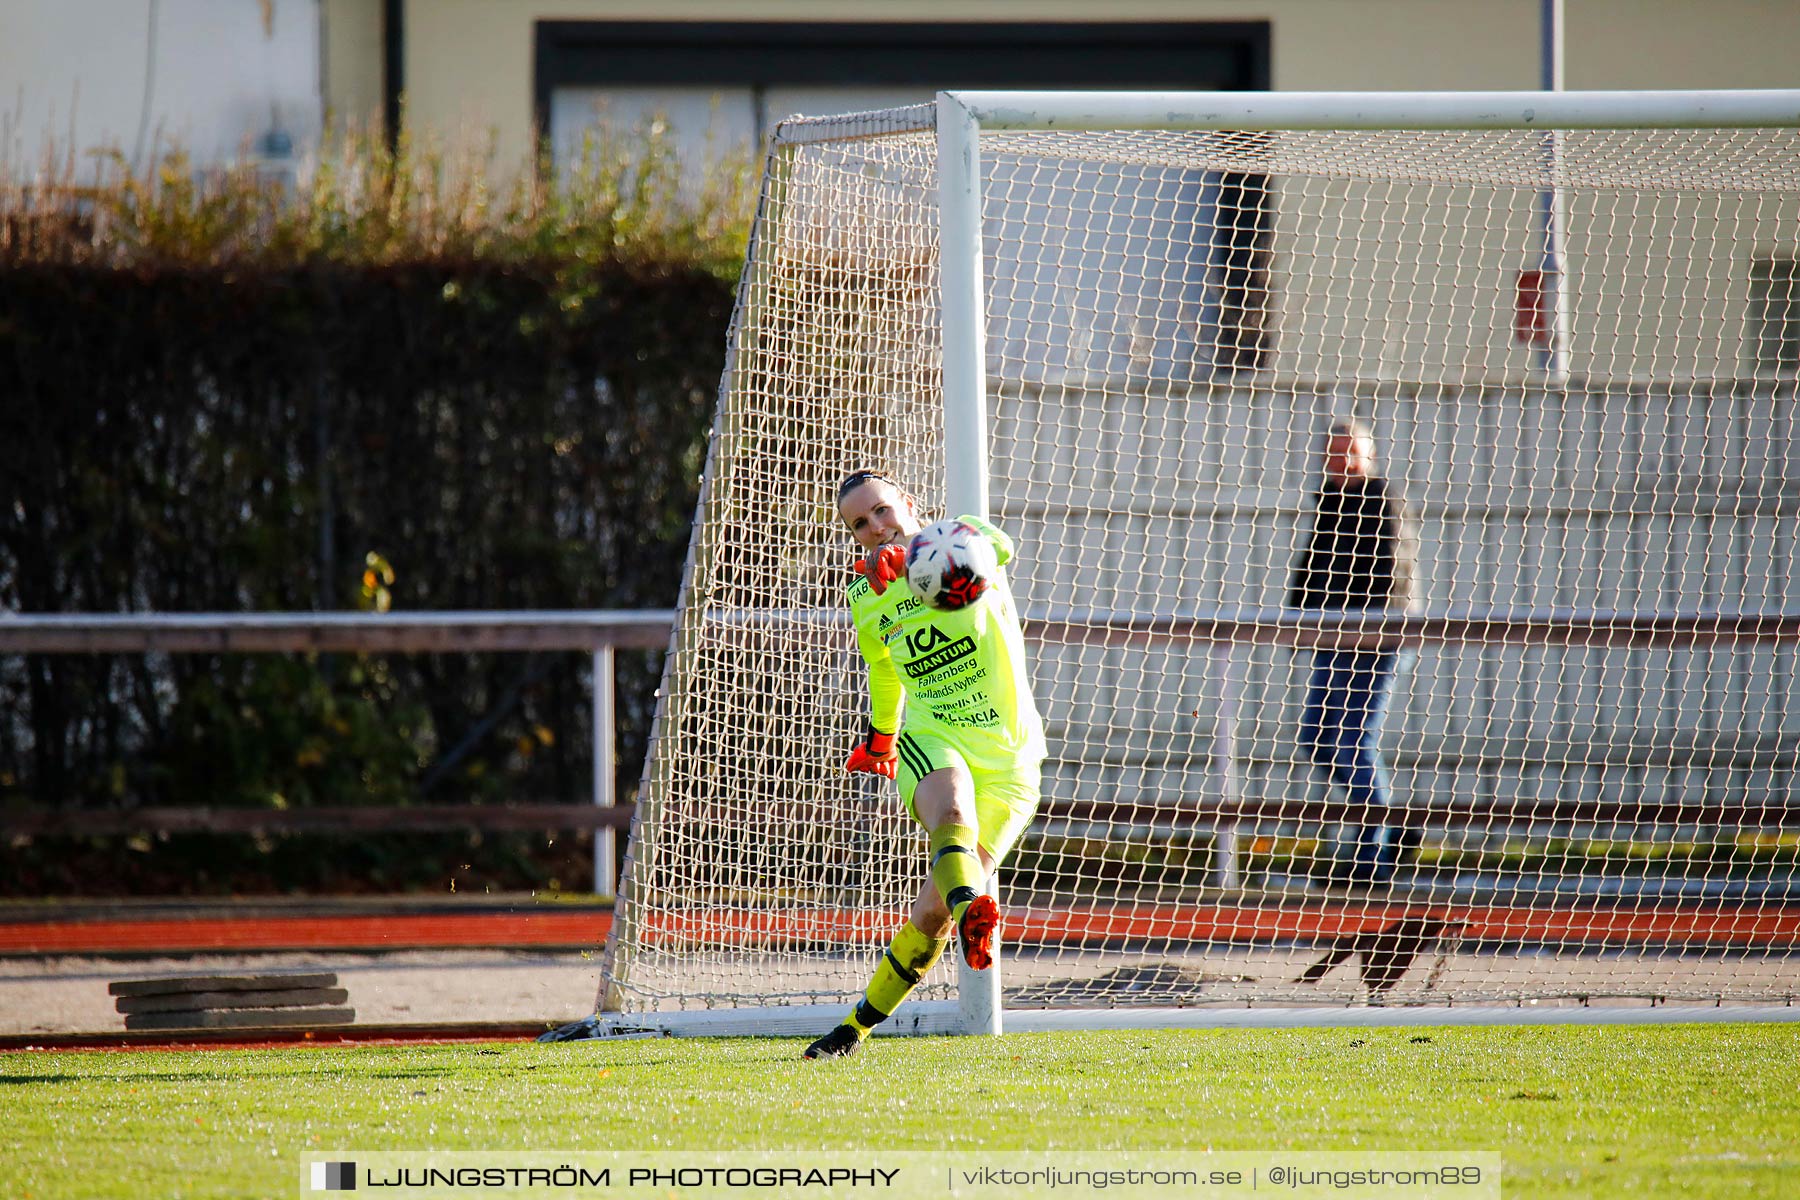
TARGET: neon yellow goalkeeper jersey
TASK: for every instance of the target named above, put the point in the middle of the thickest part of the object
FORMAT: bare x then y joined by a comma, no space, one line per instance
962,674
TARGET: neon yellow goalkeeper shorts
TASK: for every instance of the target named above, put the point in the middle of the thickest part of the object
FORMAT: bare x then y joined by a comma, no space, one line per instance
1005,801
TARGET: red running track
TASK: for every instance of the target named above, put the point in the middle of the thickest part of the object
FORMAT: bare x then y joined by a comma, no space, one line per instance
378,932
1712,927
1695,927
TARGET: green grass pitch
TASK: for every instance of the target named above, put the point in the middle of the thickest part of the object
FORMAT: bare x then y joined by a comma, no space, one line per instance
1678,1110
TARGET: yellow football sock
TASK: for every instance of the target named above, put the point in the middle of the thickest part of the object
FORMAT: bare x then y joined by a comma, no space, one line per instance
956,866
908,957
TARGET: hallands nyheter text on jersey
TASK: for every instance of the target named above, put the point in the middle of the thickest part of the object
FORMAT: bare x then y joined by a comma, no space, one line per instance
962,675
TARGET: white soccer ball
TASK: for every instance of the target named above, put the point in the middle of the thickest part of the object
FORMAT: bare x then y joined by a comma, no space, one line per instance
949,565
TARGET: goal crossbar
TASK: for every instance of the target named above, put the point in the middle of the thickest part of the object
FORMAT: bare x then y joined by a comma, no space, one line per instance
1103,110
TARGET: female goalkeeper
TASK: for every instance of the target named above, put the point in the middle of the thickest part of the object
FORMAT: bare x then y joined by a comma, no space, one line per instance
966,759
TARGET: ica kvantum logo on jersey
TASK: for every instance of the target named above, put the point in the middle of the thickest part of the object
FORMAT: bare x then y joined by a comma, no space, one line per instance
932,650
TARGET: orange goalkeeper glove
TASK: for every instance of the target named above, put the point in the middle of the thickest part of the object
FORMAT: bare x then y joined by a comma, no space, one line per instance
874,754
884,565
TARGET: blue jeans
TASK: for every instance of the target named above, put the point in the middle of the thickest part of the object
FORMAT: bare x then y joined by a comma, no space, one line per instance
1340,727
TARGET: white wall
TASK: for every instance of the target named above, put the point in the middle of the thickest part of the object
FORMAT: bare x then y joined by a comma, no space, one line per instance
73,74
352,63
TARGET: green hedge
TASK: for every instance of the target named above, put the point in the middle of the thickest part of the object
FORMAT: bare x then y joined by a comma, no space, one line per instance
394,386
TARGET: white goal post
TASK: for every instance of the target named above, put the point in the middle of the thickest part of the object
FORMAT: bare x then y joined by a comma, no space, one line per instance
1121,326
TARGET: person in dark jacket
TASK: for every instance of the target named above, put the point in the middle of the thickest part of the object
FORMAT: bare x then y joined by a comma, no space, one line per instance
1363,555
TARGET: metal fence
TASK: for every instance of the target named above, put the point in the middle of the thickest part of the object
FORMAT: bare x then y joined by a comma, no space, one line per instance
599,633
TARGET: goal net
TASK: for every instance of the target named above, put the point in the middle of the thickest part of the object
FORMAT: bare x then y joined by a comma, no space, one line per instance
1574,349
